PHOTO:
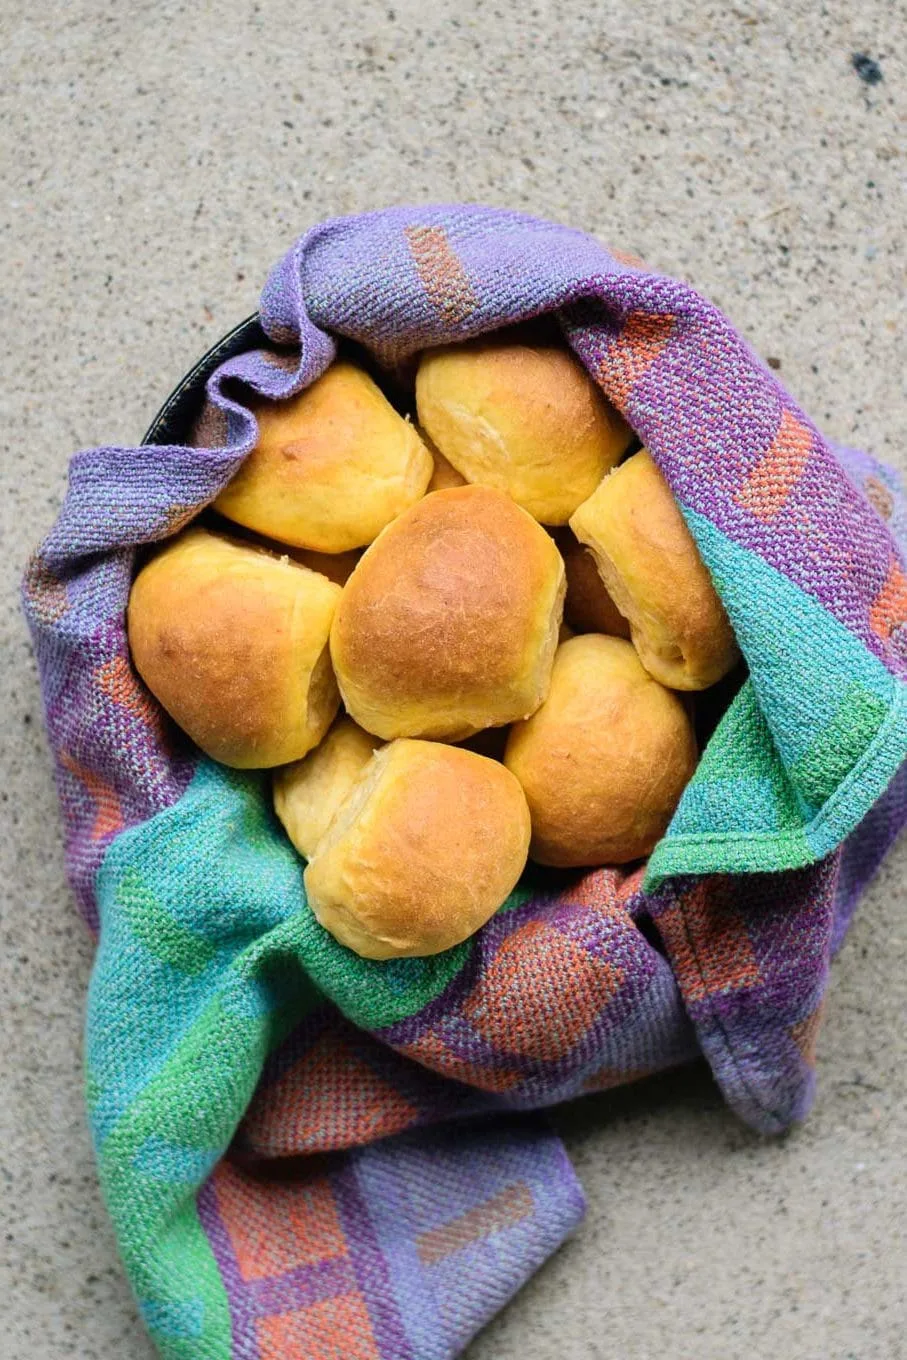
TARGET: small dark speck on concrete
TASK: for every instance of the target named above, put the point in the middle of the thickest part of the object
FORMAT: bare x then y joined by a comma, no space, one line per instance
869,71
773,361
26,718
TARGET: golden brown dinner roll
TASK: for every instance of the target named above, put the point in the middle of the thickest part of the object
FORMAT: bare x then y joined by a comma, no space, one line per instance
332,466
450,620
521,416
588,608
427,846
604,760
309,792
233,642
649,562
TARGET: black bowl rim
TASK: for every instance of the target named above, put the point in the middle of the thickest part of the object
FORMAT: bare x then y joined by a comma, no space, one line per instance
175,418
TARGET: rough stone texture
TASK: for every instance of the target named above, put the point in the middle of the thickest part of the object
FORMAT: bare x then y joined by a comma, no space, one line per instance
156,160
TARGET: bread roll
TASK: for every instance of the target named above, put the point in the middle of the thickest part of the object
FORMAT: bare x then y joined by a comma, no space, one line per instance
309,792
233,642
332,466
450,621
588,608
604,760
523,417
427,846
649,562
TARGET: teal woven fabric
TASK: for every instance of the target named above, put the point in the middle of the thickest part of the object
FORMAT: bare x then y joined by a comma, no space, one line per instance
813,738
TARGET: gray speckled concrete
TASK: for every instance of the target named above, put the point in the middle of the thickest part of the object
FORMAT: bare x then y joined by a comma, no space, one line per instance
156,160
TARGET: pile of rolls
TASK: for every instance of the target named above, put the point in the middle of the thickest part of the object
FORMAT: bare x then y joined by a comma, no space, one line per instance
458,641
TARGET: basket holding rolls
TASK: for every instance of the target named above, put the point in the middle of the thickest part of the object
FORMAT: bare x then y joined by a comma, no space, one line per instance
462,629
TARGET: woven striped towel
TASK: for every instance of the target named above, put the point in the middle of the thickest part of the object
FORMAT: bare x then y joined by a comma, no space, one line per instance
310,1155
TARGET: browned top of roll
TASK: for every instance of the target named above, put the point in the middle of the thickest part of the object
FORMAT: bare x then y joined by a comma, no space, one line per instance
454,598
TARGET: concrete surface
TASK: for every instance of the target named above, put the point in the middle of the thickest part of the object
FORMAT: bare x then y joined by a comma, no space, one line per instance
156,159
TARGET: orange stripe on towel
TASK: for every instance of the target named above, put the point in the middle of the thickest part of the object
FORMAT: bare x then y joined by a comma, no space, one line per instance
504,1210
767,488
642,339
889,609
441,271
